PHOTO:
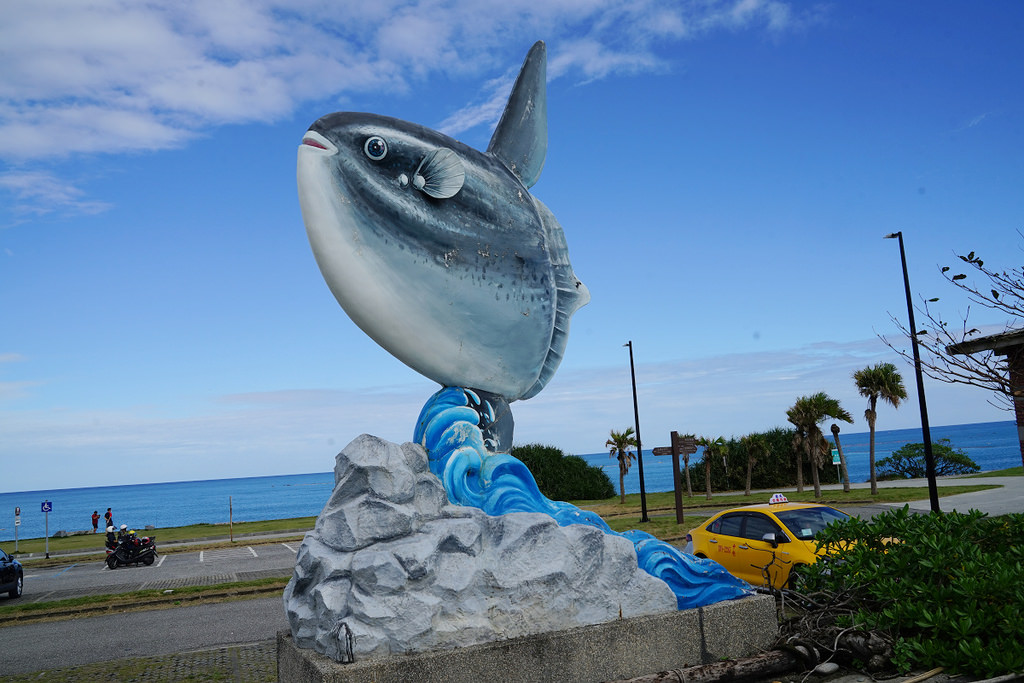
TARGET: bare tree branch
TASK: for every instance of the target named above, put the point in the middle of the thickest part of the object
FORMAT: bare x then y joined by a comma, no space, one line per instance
985,369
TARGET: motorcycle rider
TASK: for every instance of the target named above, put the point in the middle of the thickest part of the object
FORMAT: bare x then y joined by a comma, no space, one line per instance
111,538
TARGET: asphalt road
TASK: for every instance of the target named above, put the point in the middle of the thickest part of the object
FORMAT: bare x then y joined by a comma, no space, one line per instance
90,575
53,645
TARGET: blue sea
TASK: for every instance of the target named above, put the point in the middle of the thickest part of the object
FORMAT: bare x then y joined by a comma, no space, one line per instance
993,445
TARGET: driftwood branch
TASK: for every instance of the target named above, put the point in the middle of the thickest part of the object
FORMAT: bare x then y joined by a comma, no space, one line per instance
756,667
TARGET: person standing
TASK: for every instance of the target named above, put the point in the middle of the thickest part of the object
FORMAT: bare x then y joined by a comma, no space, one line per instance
95,520
108,518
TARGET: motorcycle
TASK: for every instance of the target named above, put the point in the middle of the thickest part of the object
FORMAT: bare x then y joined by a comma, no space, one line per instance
132,550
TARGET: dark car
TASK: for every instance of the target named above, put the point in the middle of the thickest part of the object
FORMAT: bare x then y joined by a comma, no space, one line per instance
12,577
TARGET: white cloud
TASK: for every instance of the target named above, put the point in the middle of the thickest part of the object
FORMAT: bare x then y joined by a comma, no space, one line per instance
37,192
115,75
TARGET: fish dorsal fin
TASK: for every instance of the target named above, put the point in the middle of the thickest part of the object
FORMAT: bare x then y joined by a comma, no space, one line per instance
521,139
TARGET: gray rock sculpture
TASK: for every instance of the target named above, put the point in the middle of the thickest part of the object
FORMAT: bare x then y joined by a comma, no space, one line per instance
392,568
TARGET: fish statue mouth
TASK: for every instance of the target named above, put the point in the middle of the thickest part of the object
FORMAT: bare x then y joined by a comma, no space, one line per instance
439,252
319,142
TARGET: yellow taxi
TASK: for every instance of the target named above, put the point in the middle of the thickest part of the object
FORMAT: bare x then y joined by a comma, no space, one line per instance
744,539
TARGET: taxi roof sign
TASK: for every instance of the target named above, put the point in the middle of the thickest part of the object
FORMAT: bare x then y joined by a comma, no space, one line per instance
778,499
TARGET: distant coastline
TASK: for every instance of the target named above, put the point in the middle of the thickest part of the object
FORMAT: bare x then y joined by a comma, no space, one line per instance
993,445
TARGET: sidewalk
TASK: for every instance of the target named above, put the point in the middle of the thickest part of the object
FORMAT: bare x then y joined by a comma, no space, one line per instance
1001,501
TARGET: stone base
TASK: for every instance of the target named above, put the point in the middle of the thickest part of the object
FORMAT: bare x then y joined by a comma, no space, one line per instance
617,650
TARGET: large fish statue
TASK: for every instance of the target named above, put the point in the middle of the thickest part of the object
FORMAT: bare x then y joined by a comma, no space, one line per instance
438,251
441,254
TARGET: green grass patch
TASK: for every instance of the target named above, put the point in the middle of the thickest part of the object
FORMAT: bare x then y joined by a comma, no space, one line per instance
664,502
1008,472
192,532
663,527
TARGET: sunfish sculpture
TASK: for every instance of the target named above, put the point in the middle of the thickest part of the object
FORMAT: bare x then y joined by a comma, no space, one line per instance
442,256
438,251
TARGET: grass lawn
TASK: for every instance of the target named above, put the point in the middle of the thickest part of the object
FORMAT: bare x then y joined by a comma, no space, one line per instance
1009,472
165,534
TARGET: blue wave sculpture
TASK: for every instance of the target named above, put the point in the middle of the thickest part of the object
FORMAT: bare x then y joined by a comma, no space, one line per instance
449,428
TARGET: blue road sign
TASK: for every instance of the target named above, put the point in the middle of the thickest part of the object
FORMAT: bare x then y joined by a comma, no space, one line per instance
47,506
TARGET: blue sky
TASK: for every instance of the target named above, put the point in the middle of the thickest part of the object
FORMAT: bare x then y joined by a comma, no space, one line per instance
724,172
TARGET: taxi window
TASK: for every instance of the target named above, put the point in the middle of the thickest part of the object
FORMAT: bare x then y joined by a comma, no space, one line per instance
757,526
805,523
728,525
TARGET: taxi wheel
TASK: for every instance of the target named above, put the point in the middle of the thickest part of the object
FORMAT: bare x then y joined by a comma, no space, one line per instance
794,580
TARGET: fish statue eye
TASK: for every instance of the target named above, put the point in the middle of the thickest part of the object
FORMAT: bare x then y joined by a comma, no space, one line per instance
376,148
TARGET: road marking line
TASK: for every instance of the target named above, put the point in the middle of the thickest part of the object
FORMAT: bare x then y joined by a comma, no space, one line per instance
289,547
162,558
252,551
201,555
65,569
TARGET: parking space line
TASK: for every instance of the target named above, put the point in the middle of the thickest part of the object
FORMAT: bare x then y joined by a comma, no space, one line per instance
201,555
252,551
289,547
162,558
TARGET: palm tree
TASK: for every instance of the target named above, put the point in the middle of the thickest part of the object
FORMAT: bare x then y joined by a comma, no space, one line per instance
686,468
620,443
756,448
879,381
806,414
711,447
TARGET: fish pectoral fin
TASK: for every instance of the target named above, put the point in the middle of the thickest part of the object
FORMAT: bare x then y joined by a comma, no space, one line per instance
440,174
521,139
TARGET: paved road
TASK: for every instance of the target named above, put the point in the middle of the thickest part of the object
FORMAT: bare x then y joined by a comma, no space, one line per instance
54,645
90,575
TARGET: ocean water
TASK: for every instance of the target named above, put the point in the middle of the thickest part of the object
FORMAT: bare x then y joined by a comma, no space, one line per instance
993,445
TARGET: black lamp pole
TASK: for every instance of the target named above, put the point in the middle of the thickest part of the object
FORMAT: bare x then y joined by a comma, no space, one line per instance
639,446
929,458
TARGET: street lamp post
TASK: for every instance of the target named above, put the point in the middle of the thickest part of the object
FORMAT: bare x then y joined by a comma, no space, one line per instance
929,458
639,446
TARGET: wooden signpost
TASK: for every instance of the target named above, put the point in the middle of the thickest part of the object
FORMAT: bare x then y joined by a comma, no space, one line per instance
680,445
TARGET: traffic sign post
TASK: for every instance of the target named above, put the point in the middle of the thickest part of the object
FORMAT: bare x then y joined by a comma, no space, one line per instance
17,523
46,507
680,445
837,457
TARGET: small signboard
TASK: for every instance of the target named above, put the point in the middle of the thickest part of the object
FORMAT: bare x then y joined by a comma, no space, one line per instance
835,456
47,506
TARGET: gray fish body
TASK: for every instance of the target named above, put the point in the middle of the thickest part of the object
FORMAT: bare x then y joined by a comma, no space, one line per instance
438,251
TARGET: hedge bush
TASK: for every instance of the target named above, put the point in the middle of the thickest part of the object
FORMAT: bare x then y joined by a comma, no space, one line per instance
949,591
775,470
564,477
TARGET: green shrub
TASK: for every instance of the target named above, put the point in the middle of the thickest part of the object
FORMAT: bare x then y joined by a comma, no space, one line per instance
948,592
908,461
564,477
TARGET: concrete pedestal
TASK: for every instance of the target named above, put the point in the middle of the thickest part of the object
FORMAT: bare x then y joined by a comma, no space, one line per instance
617,650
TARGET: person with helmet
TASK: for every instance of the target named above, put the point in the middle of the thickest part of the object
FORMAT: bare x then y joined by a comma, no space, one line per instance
122,534
111,538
